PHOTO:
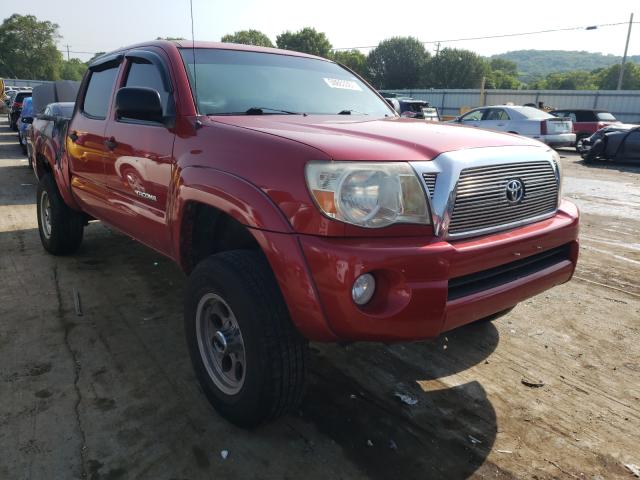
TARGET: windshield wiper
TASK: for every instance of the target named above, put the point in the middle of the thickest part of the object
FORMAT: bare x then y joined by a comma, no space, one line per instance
349,112
261,110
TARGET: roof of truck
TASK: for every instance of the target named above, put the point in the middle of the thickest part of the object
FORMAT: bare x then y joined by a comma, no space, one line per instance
218,45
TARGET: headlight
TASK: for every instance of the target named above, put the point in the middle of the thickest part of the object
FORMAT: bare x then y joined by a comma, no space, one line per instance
371,195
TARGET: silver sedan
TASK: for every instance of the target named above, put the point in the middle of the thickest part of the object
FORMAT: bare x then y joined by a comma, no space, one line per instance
527,121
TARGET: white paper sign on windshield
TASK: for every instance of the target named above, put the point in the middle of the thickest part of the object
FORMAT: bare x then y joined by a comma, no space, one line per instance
343,84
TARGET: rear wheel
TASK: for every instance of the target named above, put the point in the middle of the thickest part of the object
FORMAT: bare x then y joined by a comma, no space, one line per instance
61,228
248,357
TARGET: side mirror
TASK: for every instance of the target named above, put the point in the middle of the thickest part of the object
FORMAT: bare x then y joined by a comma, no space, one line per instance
138,103
27,119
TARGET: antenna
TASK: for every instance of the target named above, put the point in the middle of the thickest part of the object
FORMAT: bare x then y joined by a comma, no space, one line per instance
193,51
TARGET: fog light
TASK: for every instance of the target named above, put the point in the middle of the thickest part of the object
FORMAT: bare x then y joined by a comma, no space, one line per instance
363,288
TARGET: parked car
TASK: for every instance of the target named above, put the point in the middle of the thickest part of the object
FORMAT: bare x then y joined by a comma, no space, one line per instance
413,108
24,122
615,142
46,134
295,221
16,108
586,122
9,96
528,121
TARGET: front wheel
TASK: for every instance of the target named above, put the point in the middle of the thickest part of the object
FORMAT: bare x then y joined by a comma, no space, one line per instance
61,228
595,151
247,355
23,143
579,141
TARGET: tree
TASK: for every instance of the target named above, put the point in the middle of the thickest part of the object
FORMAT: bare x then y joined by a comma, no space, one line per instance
607,79
28,48
503,74
307,40
499,79
397,62
575,80
73,69
354,59
248,37
506,66
456,68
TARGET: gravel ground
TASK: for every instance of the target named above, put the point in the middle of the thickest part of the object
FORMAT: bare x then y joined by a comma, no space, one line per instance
110,394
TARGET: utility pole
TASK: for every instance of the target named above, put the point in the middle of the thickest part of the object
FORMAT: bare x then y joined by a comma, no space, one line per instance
437,48
624,57
67,45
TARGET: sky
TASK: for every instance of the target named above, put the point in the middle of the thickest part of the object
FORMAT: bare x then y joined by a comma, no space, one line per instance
347,23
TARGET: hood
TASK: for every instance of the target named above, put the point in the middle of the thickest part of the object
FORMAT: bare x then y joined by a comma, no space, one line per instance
396,138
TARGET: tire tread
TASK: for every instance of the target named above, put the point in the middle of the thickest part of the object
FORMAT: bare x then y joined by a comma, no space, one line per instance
283,346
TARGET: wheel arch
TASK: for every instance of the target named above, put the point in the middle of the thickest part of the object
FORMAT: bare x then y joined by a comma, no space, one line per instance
207,194
246,218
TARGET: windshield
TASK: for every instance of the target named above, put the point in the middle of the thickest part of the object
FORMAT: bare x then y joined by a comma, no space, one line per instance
231,82
605,117
26,107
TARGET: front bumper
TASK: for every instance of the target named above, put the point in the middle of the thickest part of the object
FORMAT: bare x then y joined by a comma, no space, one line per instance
559,140
413,299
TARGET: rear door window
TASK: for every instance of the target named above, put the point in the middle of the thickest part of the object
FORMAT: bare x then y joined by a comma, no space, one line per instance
497,114
98,95
582,116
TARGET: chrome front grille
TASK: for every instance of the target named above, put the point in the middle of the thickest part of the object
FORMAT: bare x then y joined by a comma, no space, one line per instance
481,196
430,182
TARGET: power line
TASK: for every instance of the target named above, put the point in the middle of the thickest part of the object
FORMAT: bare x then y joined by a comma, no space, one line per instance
505,35
438,42
68,51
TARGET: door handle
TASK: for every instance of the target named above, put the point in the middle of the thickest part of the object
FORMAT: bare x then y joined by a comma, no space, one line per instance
73,136
111,143
501,124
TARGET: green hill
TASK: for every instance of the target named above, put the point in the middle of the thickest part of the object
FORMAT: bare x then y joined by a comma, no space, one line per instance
535,64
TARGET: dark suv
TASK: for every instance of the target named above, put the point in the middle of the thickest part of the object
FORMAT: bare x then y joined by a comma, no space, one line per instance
16,108
412,107
586,122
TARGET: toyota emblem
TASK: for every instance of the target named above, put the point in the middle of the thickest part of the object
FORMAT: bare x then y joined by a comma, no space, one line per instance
514,191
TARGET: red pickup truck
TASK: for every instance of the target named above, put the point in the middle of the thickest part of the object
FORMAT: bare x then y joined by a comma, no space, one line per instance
586,122
302,207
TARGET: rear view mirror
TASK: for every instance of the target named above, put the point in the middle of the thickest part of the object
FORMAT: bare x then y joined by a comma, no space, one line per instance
138,103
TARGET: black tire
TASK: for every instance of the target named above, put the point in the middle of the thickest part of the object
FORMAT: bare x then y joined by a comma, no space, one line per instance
579,140
275,353
23,146
594,152
65,225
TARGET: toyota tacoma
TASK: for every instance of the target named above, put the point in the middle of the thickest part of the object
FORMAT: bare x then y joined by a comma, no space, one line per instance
302,208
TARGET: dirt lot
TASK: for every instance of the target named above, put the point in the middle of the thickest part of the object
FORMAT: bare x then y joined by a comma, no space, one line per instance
110,394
